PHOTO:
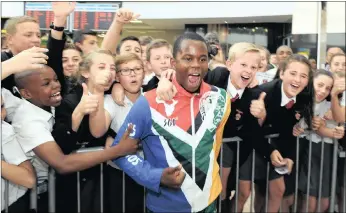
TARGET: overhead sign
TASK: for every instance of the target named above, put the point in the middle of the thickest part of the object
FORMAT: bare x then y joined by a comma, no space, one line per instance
95,16
42,12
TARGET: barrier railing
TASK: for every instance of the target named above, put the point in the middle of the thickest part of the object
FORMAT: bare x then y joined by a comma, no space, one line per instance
342,208
238,140
337,153
84,150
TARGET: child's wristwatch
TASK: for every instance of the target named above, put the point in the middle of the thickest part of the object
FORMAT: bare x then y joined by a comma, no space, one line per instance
53,27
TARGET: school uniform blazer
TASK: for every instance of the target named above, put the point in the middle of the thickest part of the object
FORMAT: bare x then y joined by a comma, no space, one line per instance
152,84
246,126
281,119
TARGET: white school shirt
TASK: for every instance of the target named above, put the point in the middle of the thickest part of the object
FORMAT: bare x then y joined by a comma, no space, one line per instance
233,91
320,109
11,103
118,115
284,99
12,153
267,76
33,127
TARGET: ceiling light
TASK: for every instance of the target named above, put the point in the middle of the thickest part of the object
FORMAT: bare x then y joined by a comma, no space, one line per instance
254,21
226,22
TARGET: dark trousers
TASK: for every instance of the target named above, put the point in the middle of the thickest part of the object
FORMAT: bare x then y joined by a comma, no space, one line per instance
42,202
21,205
90,191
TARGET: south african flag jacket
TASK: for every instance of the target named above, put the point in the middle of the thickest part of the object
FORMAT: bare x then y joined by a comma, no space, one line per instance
188,131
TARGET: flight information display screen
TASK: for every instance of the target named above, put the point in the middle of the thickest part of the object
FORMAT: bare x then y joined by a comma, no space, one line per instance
93,16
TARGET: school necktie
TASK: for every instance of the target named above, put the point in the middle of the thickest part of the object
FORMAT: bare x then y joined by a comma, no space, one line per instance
235,98
290,104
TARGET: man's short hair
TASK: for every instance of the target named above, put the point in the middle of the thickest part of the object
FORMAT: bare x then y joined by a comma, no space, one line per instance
212,38
79,36
145,40
122,59
186,36
338,48
283,46
157,43
128,38
11,24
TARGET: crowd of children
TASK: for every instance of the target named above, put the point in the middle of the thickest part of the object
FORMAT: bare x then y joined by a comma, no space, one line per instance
161,112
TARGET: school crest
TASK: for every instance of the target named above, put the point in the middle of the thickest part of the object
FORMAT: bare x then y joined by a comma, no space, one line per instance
238,115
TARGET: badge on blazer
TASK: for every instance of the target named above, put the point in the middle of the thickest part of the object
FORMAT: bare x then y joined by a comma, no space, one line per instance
298,115
238,115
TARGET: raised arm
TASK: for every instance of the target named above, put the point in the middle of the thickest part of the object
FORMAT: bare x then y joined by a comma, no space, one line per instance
61,11
56,40
111,39
29,59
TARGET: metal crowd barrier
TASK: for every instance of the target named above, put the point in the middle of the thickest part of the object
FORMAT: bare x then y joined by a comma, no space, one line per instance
238,140
84,150
336,153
